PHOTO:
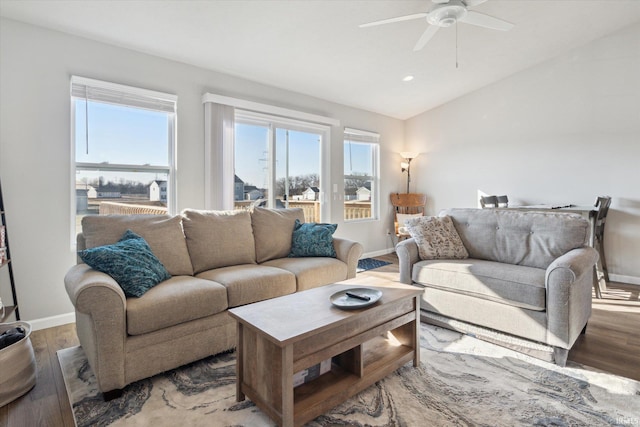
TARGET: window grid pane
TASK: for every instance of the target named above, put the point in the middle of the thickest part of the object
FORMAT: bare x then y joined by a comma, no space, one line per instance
278,166
360,177
123,150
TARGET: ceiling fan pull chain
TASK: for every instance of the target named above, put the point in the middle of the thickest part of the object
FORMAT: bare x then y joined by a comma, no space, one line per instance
456,44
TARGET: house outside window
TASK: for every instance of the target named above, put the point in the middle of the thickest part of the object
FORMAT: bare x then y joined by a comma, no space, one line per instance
123,142
361,177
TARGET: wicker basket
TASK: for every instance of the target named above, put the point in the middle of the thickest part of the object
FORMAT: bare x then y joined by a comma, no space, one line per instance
17,365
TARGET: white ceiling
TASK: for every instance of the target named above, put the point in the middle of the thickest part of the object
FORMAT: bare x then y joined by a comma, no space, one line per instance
316,47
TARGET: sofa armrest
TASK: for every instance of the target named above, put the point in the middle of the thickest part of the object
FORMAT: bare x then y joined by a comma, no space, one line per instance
80,282
407,251
348,252
100,307
570,266
569,281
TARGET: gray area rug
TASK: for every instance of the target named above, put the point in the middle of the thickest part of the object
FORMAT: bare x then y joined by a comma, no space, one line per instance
462,381
365,264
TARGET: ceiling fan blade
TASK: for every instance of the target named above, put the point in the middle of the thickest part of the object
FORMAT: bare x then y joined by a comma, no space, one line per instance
426,36
471,3
440,1
392,20
486,21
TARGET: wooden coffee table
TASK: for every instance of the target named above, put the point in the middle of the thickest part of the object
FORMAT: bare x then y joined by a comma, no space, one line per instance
281,336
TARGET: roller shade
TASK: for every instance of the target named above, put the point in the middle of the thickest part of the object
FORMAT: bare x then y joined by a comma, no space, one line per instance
112,93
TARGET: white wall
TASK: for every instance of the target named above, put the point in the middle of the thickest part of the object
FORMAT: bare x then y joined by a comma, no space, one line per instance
564,131
35,68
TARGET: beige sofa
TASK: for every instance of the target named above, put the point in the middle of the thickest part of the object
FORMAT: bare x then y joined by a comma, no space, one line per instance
528,275
217,260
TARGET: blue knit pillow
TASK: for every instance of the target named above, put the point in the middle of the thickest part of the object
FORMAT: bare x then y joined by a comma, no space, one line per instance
130,262
312,239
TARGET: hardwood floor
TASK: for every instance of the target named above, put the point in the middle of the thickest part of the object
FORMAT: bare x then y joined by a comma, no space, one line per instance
47,403
611,344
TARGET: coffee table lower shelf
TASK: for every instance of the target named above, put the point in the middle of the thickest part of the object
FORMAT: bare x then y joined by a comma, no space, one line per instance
336,386
351,372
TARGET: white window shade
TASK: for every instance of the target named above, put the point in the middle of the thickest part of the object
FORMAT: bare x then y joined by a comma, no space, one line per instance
112,93
357,135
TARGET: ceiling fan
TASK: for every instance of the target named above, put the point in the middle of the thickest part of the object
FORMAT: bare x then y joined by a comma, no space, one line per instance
446,13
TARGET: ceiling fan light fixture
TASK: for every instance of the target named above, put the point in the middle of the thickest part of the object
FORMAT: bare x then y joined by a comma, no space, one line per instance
446,15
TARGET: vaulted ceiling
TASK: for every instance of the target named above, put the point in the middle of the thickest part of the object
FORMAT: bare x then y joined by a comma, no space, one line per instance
317,48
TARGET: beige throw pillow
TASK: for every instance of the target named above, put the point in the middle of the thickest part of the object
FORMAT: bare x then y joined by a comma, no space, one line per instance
402,221
436,238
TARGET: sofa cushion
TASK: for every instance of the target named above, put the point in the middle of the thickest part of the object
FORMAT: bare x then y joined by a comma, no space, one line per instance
251,283
436,238
514,285
163,233
313,239
512,236
174,301
312,272
130,262
272,231
218,238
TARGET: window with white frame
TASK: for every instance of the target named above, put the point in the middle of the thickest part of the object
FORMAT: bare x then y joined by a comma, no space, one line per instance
278,163
123,143
361,179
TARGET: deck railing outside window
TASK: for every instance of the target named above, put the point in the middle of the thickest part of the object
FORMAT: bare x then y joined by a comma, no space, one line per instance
353,209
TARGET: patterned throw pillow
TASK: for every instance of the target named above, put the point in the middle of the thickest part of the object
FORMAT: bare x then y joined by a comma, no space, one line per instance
436,238
130,262
312,239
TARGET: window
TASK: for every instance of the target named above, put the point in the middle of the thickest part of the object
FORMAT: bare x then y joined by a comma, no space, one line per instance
123,145
360,175
278,163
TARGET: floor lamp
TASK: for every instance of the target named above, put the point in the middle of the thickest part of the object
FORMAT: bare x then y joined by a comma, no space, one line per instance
406,165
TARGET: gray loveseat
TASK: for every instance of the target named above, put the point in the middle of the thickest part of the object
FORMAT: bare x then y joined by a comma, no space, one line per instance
217,260
529,275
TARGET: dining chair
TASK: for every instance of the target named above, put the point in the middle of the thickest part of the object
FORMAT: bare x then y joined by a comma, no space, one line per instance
602,203
503,201
488,202
406,205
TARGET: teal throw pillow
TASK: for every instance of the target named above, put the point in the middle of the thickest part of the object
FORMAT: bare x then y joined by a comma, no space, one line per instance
130,262
313,239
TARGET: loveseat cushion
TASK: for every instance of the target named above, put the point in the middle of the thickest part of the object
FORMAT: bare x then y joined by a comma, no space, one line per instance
250,283
163,233
218,238
174,301
312,272
515,285
511,236
272,231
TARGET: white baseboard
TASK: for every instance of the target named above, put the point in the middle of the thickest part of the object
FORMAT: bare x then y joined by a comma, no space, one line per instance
50,322
630,280
377,253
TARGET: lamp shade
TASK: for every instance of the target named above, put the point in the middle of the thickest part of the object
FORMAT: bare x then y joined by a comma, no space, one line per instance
409,155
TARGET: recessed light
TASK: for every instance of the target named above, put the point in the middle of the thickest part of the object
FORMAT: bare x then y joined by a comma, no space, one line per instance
407,78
